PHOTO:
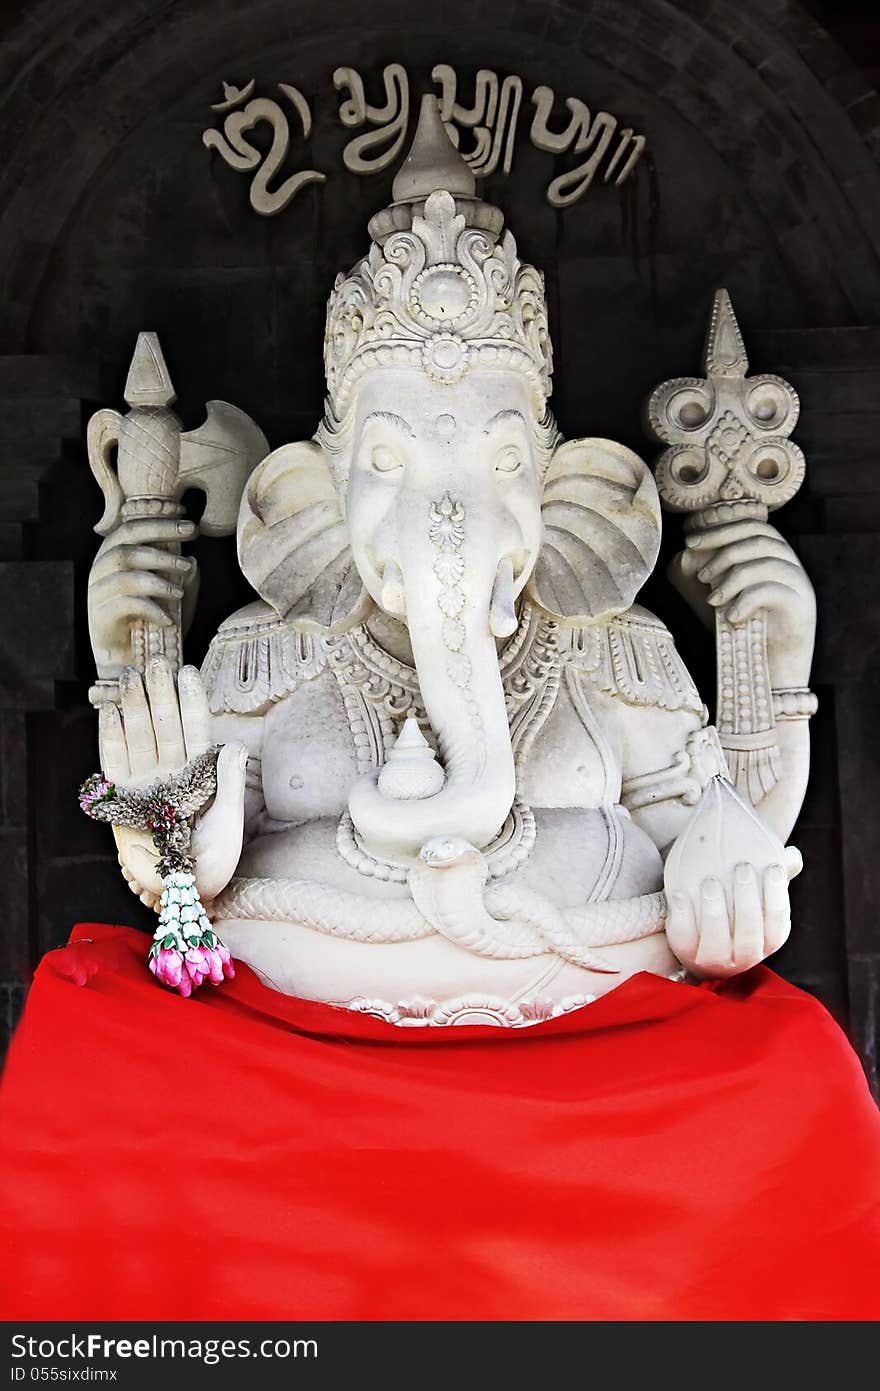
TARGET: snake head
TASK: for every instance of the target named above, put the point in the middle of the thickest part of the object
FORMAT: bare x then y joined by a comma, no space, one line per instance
440,852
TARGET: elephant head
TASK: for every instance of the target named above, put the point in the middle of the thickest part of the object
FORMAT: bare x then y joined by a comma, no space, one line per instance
438,490
455,502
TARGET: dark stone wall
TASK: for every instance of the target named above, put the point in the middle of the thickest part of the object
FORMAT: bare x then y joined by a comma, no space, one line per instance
760,174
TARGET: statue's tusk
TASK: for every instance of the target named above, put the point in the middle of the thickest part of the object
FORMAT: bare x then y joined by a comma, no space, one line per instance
502,614
393,601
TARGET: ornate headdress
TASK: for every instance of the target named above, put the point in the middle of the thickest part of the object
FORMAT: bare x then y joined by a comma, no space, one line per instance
440,288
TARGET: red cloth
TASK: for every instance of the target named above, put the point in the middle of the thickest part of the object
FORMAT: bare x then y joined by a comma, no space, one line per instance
669,1152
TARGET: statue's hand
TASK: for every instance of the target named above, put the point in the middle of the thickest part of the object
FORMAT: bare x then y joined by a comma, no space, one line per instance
745,566
130,578
162,725
712,941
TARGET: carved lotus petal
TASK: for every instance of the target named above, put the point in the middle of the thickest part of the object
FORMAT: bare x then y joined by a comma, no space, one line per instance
453,634
459,669
723,832
447,532
451,602
449,567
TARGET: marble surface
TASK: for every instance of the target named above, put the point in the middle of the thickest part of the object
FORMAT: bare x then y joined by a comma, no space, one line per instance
447,691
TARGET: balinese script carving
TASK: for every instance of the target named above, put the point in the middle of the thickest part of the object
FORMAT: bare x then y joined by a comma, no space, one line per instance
484,131
492,119
583,133
391,119
241,155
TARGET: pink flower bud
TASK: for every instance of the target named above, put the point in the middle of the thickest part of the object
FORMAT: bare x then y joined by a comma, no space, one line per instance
167,967
185,972
196,965
215,964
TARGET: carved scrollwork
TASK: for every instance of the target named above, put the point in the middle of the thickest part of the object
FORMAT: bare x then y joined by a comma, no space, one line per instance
256,659
439,295
727,433
635,658
467,1009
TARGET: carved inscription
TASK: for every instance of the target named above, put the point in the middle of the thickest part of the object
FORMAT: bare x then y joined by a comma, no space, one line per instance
481,115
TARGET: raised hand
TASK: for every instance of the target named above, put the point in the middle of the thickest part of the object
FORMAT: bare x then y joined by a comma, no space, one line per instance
711,938
744,566
135,576
160,727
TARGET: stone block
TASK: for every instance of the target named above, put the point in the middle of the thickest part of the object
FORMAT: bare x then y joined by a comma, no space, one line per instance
36,641
858,763
30,422
864,1015
829,350
854,513
83,890
845,571
13,770
827,476
47,375
15,892
837,392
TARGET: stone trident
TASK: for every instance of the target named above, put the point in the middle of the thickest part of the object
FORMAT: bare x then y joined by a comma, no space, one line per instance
730,459
156,462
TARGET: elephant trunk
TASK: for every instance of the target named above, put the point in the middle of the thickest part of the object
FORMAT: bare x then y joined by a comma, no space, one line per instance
458,592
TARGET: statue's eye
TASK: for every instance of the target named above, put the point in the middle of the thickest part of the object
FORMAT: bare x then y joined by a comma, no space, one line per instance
509,460
383,459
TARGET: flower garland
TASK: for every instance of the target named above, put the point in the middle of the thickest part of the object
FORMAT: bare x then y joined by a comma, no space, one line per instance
186,950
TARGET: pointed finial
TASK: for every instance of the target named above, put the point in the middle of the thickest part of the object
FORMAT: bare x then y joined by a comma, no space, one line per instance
433,162
148,382
725,353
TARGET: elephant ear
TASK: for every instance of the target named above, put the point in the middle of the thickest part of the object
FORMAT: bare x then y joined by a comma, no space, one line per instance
293,542
601,517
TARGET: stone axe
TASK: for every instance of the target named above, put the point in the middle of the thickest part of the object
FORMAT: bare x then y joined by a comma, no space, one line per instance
156,462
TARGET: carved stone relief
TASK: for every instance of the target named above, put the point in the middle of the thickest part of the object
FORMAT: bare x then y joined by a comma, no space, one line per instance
484,131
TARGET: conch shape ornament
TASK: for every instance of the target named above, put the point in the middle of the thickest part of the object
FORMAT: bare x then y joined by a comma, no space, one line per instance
410,771
723,832
441,296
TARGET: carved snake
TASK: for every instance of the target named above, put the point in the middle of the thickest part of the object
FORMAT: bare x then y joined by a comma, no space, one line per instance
448,885
449,896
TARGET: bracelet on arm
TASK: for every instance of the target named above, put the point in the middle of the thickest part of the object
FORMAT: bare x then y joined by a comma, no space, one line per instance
794,703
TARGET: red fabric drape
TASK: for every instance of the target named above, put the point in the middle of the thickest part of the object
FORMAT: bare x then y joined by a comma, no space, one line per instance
668,1152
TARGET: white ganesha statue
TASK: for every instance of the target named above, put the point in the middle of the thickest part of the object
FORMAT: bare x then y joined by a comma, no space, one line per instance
454,754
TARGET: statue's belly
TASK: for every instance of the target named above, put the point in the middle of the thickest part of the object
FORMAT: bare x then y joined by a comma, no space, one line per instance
576,854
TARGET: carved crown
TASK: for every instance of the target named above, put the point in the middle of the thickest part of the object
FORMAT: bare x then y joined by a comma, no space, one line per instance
442,293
